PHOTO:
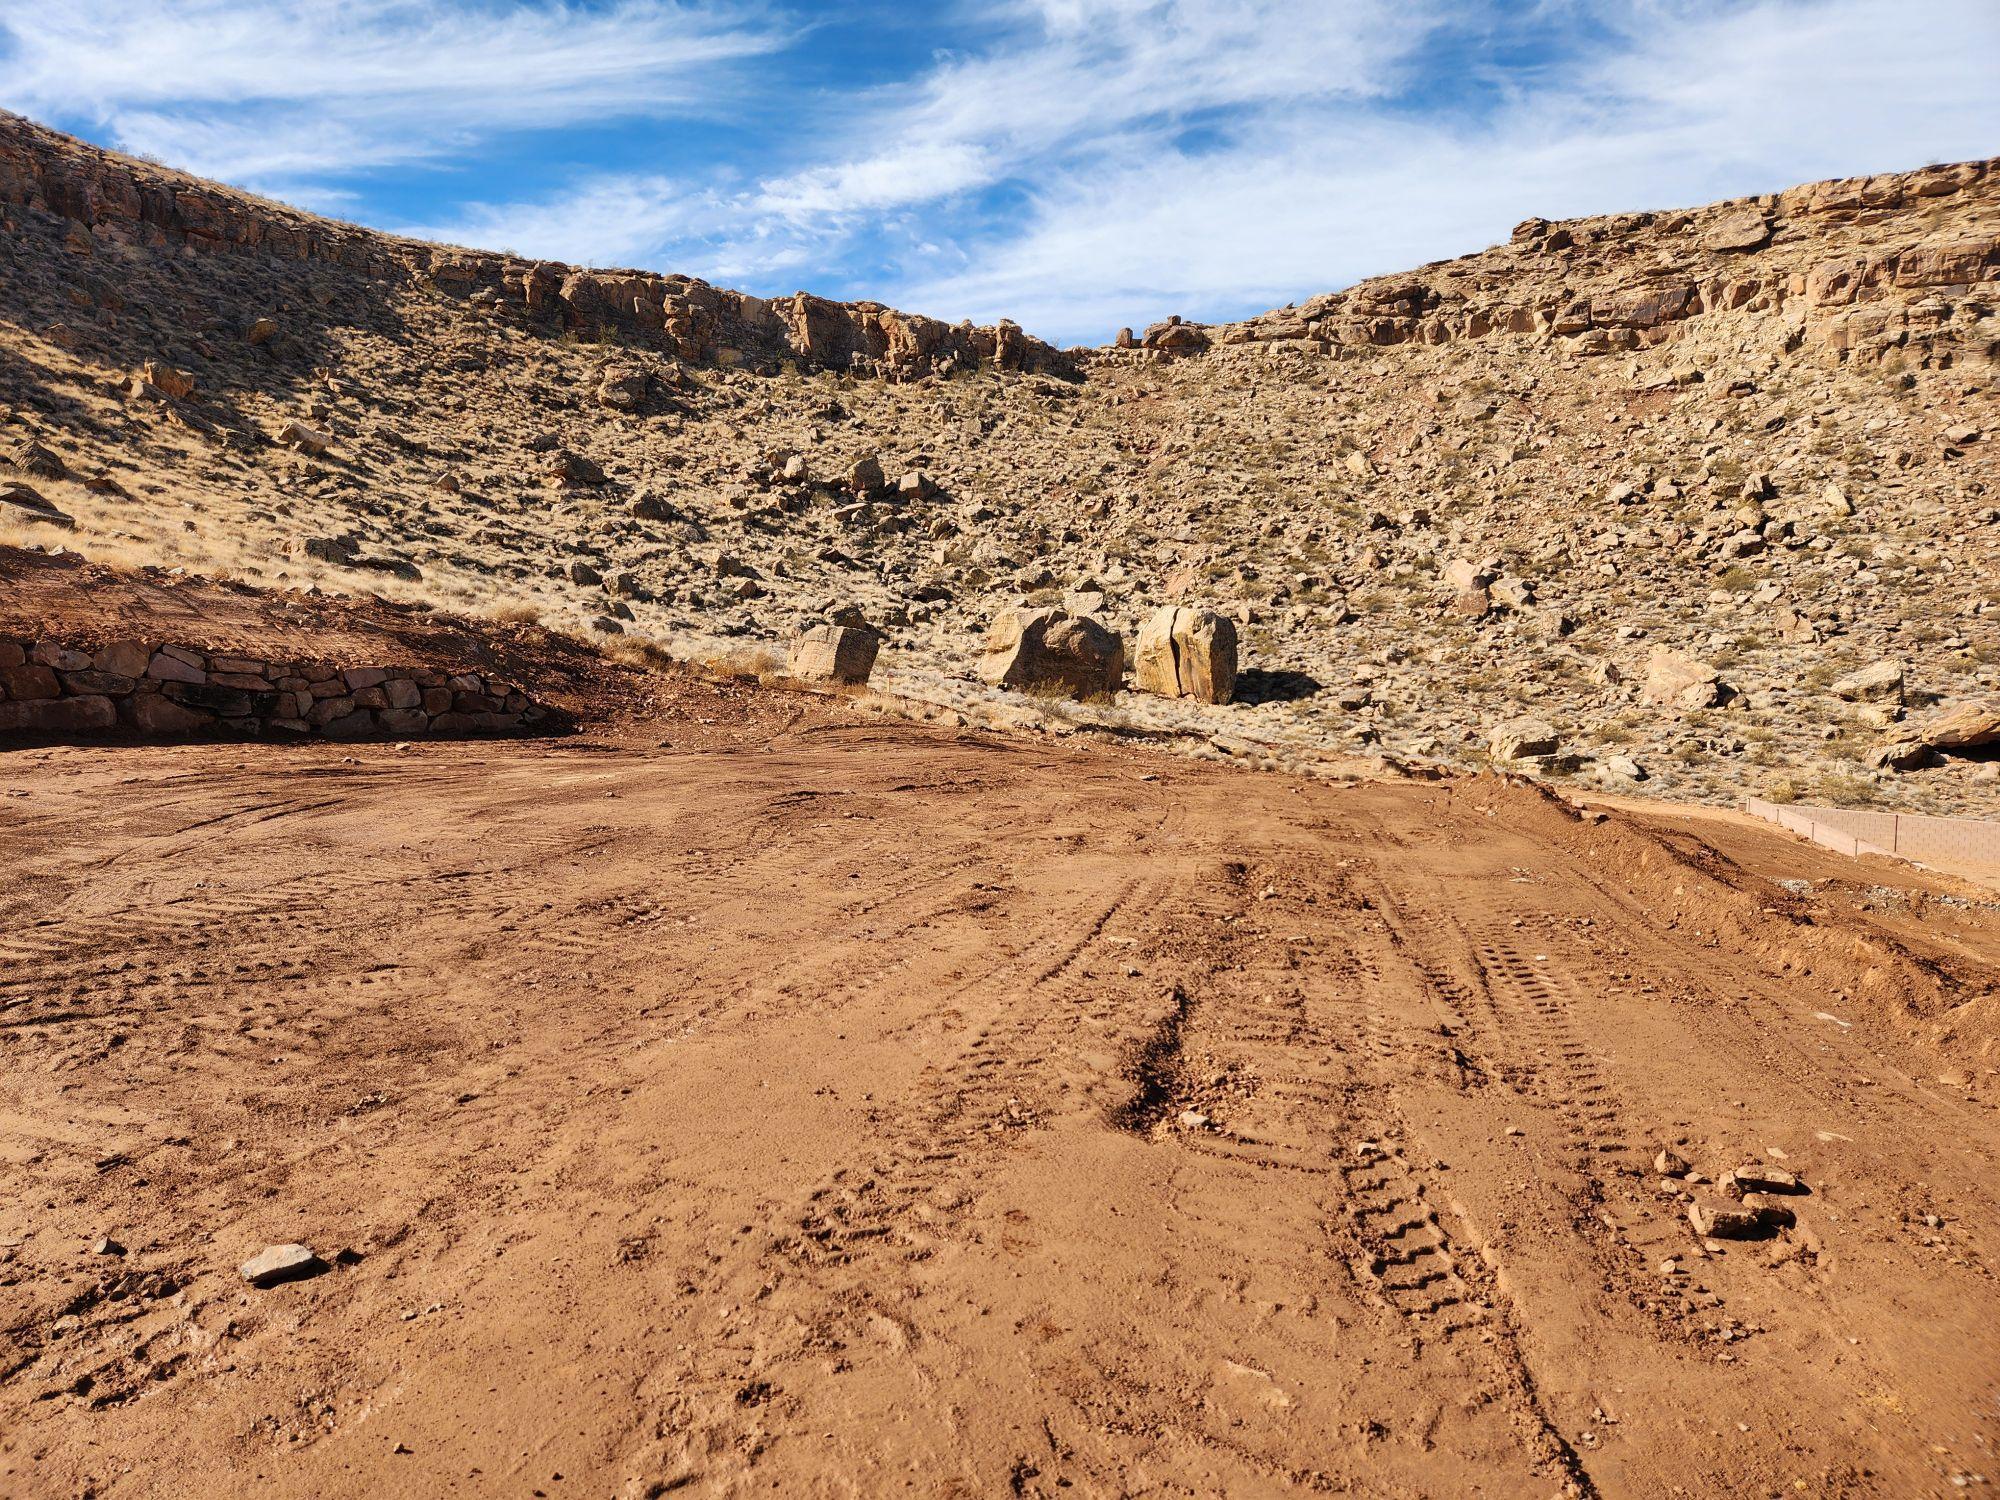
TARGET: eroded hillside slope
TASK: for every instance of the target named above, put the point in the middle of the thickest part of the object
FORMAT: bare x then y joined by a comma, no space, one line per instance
1758,437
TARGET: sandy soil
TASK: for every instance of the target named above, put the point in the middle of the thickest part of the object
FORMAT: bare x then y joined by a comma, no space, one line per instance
859,1109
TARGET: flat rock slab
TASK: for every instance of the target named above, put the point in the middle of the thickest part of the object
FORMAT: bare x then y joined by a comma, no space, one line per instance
278,1263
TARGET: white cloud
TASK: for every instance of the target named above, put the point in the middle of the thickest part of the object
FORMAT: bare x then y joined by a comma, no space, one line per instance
621,219
256,90
1072,81
1692,103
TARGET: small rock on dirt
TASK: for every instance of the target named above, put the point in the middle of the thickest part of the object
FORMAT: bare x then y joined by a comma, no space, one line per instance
279,1263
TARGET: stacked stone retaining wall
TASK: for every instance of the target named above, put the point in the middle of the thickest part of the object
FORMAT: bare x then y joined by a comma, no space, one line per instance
52,690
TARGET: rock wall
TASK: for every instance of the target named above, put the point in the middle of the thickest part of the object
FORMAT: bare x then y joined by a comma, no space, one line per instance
49,690
1854,270
122,200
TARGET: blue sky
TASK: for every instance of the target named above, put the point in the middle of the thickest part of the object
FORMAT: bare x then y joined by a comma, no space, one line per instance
1073,164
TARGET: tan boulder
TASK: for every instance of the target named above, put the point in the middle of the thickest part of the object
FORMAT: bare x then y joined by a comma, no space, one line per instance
1051,648
1524,739
1676,680
1878,682
168,379
833,653
1969,726
1186,653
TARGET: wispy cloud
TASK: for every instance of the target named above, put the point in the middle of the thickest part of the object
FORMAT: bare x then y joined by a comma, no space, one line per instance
255,91
1664,105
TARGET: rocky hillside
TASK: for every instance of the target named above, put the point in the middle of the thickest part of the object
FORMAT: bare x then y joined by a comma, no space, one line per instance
1698,502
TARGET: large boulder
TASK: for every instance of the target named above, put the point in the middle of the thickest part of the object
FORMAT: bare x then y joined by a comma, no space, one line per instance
1879,682
58,715
833,653
1053,649
1524,739
1676,680
1969,726
1186,653
26,504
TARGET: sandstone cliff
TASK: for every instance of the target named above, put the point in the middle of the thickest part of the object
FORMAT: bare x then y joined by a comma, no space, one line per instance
120,201
1860,269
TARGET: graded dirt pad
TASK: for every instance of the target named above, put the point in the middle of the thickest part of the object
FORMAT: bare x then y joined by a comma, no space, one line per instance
855,1109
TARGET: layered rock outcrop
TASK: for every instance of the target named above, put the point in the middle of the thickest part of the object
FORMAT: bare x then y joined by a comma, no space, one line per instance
118,199
1852,270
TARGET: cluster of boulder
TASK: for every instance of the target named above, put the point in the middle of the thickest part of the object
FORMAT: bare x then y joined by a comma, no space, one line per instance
49,688
1183,653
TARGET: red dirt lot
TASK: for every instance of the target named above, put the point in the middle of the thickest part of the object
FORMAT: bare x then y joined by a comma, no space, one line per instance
776,1102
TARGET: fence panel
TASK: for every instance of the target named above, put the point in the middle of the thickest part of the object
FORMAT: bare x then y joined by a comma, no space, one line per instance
1966,843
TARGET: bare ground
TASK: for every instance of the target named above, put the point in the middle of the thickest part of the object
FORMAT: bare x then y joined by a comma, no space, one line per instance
855,1109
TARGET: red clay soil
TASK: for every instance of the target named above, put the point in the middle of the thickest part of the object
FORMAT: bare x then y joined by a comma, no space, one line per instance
857,1109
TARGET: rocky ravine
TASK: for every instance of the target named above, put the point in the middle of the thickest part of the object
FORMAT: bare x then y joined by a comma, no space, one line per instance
1649,499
